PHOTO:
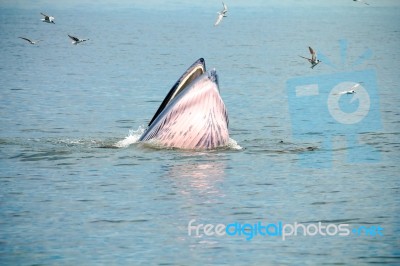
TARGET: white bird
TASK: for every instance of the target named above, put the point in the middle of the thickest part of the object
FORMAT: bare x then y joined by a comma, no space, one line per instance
361,2
313,60
48,19
76,40
352,90
221,14
30,41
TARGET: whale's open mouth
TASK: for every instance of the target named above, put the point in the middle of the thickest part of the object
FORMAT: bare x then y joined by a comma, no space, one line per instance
194,71
192,115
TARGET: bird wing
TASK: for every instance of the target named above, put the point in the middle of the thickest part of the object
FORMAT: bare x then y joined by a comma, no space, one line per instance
355,86
313,54
219,18
45,16
26,39
73,38
305,58
225,8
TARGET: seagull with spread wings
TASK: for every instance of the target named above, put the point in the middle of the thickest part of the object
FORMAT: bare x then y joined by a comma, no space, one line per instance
76,40
352,90
313,60
48,19
221,14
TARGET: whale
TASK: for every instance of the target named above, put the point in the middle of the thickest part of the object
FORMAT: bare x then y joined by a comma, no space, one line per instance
193,115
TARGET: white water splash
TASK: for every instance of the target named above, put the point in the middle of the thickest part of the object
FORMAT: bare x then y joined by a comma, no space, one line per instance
233,145
132,138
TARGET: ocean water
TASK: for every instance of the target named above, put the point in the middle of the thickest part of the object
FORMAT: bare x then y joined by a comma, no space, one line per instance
77,188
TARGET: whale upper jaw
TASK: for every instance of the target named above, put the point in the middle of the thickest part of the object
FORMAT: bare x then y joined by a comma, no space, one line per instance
192,115
195,70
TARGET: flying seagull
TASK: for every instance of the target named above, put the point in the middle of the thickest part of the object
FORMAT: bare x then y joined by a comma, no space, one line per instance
352,90
30,41
48,19
221,14
361,2
313,60
76,40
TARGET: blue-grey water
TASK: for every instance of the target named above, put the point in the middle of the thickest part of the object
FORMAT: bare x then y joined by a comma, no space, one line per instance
77,189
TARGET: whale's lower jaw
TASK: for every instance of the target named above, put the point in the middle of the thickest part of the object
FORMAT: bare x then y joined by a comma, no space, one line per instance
198,121
208,138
